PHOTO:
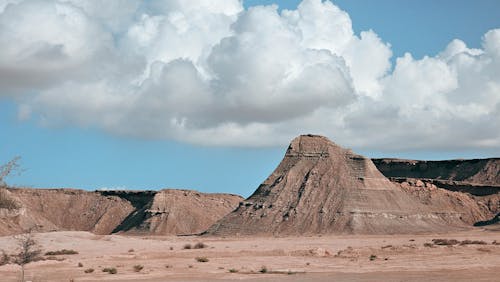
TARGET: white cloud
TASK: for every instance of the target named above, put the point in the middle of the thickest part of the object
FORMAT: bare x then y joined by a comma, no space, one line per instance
210,72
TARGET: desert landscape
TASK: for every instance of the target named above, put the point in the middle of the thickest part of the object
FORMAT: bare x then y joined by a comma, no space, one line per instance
324,214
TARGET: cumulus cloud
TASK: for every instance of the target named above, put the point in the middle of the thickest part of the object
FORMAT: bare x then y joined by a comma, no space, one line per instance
213,73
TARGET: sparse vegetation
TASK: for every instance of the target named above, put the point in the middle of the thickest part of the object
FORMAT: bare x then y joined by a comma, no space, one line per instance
7,169
110,270
495,243
61,252
445,242
80,264
473,242
138,267
202,259
54,258
168,266
171,248
484,250
89,270
29,251
386,247
187,247
7,202
373,257
428,245
200,245
233,270
263,269
131,250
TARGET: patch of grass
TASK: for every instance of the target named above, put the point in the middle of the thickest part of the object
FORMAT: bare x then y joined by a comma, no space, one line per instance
61,252
200,245
202,259
187,247
110,270
373,257
138,267
89,270
233,270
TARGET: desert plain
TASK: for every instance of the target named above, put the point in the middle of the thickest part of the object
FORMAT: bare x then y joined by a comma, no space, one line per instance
305,258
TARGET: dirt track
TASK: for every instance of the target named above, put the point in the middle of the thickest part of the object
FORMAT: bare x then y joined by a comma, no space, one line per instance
343,258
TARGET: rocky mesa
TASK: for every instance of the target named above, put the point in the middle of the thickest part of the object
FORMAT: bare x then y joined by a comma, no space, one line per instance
320,187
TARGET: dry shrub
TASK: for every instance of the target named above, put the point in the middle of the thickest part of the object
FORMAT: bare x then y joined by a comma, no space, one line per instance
89,270
202,259
200,245
61,252
110,270
138,267
473,242
187,247
445,242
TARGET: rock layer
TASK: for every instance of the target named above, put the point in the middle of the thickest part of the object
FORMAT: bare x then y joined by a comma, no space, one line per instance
320,187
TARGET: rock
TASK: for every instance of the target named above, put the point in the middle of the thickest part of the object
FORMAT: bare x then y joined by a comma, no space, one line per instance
317,175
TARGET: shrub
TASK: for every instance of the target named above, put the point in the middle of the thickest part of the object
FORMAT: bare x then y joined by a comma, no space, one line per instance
187,247
6,202
131,250
473,242
445,242
110,270
199,245
428,245
89,270
233,270
138,267
80,264
202,259
263,269
495,243
373,257
61,252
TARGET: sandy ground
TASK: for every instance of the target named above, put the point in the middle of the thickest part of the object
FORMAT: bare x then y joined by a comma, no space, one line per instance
320,258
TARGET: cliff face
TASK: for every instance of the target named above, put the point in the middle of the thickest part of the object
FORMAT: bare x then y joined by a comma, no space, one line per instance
476,171
63,209
106,212
320,187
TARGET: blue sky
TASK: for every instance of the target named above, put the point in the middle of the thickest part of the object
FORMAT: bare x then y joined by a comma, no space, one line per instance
64,144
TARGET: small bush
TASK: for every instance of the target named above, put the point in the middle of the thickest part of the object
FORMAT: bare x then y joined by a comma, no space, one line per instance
373,257
110,270
495,243
263,269
80,264
89,270
61,252
54,258
473,242
187,247
202,259
131,250
428,245
233,270
138,267
445,242
200,245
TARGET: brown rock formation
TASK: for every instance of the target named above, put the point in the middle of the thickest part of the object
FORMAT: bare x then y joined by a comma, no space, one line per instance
163,212
320,187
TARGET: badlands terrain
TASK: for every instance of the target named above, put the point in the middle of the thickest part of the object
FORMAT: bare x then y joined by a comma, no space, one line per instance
324,214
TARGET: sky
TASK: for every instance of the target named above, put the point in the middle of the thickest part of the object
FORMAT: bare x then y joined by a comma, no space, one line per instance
207,95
